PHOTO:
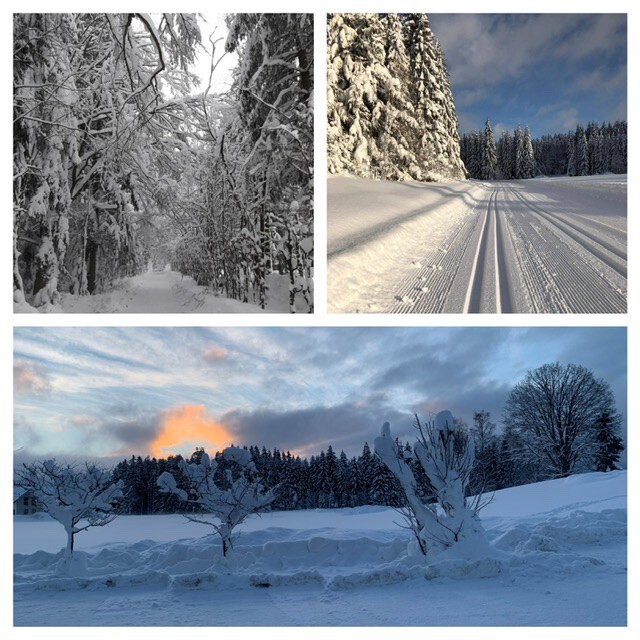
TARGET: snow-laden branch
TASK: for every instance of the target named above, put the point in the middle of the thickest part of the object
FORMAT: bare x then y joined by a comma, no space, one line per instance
446,456
243,496
77,498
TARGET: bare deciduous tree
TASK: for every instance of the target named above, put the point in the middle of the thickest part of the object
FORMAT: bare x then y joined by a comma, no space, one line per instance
553,414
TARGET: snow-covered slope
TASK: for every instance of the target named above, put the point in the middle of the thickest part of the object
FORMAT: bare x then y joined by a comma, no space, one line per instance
558,557
556,245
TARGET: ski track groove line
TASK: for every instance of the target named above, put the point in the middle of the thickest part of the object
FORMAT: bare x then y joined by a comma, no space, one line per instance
430,277
575,232
574,283
504,296
473,297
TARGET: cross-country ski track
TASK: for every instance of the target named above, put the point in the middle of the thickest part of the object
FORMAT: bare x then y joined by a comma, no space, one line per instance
554,245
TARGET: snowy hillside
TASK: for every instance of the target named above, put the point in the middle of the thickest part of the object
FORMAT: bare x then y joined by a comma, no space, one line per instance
548,245
557,557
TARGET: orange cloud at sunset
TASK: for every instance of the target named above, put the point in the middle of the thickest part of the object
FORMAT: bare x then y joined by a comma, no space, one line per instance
188,424
213,354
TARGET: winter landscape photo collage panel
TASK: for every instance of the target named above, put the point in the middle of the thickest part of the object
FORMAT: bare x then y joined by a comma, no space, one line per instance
477,163
249,471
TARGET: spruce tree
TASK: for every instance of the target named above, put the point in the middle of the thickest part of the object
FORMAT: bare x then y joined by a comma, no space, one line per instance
527,161
389,104
581,153
518,148
489,158
609,443
505,156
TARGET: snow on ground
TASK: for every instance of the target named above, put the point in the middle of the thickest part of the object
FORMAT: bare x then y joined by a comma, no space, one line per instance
558,557
167,292
548,245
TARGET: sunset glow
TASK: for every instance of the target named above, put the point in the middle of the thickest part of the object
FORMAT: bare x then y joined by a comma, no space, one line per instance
188,424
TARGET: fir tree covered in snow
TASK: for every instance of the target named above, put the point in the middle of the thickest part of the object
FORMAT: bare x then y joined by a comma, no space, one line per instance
389,103
525,162
489,157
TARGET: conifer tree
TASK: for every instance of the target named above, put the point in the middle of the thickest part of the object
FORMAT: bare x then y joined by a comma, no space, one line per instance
609,444
489,158
581,153
527,161
389,104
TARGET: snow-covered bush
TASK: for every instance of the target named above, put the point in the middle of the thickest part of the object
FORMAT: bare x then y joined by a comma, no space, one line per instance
78,498
243,496
445,455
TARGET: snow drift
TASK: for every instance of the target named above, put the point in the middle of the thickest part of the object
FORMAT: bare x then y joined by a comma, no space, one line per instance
564,536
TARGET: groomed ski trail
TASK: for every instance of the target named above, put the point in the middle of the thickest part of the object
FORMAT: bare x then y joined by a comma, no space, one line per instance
507,248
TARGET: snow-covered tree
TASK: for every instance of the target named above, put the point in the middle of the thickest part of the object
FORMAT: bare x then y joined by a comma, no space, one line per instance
505,156
445,455
77,498
609,444
389,104
230,497
553,413
489,157
525,162
581,153
87,94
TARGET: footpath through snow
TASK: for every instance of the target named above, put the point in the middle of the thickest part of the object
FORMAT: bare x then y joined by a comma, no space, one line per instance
557,557
549,245
165,292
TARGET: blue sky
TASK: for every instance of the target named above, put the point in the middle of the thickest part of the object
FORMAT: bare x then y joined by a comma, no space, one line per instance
113,392
550,71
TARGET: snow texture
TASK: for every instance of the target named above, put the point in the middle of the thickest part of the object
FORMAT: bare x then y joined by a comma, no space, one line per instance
547,245
164,292
557,556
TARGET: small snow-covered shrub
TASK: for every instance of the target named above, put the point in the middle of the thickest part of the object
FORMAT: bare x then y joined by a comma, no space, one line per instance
231,506
445,455
78,498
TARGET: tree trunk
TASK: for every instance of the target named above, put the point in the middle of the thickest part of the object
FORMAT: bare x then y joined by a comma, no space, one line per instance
70,540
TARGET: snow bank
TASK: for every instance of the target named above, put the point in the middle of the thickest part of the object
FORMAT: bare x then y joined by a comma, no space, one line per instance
553,527
569,531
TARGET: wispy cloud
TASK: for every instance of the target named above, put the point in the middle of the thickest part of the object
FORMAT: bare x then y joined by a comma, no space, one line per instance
508,66
299,389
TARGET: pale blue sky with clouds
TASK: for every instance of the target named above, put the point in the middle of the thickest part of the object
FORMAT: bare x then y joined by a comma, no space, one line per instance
103,392
550,71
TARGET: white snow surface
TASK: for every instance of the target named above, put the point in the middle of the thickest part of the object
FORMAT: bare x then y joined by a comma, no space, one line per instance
547,245
166,292
557,557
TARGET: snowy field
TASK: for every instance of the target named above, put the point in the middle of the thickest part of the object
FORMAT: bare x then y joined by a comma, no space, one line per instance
548,245
557,557
167,292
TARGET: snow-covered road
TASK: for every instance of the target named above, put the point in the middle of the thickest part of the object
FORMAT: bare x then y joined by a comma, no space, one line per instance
550,245
166,292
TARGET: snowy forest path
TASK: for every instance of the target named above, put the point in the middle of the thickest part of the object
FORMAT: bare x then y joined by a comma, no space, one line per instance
155,292
527,246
